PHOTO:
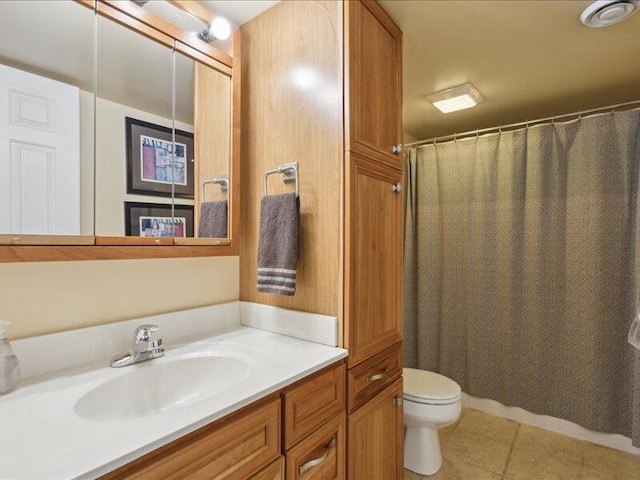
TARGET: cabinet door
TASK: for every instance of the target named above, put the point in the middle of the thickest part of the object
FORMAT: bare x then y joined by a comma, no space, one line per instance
375,436
375,82
373,259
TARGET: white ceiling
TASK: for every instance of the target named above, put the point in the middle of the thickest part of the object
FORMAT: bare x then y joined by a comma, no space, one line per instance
239,11
529,59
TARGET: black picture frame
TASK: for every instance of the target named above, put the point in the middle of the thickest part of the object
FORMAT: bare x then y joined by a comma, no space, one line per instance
136,214
148,145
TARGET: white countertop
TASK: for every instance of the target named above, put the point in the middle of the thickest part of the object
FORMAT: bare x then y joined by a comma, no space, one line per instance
43,438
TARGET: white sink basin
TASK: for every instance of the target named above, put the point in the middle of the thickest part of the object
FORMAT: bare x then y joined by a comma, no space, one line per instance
153,387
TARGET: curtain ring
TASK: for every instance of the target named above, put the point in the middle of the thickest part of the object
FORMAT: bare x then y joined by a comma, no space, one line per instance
455,137
500,129
613,109
579,114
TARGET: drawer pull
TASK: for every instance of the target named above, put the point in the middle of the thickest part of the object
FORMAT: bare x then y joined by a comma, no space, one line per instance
320,460
378,376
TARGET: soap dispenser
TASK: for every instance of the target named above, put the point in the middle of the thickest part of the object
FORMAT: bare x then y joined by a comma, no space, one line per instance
9,365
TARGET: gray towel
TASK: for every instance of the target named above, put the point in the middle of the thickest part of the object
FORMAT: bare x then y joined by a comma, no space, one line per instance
213,220
278,244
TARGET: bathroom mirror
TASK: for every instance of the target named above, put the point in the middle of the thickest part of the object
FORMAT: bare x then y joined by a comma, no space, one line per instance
163,140
134,133
203,99
152,116
46,118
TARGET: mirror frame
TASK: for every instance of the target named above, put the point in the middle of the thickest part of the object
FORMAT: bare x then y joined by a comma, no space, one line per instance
49,248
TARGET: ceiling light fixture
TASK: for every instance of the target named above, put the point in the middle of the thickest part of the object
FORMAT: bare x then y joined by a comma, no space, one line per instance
219,29
608,12
457,98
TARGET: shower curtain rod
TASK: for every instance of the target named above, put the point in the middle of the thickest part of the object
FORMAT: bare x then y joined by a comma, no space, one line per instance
456,136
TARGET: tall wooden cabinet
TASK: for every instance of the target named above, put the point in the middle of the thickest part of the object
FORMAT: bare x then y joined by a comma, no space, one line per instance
322,83
373,228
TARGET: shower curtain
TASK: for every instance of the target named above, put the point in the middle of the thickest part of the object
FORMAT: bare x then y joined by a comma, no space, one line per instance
521,268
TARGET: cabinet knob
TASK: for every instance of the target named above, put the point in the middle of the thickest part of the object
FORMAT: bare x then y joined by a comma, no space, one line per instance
397,149
397,401
397,188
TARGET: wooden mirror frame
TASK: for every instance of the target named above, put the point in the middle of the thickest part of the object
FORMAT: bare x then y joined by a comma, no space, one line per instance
49,248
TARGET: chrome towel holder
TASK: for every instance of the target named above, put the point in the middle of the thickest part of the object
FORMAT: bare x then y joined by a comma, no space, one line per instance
290,172
223,181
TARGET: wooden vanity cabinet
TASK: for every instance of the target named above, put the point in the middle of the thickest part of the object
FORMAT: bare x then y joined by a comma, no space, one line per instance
296,433
375,82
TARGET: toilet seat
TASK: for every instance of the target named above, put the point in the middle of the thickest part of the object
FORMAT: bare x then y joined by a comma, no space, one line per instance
421,386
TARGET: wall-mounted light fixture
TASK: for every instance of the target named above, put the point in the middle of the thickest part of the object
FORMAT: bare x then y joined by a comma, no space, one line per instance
219,29
457,98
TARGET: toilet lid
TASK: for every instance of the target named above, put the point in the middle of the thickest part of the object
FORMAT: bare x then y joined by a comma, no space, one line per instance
429,387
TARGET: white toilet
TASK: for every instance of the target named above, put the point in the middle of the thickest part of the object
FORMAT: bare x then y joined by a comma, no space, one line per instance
431,401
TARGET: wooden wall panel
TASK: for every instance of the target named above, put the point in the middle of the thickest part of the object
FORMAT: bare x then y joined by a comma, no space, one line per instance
212,133
292,111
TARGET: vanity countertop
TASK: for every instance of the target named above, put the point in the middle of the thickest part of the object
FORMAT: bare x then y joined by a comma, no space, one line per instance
43,437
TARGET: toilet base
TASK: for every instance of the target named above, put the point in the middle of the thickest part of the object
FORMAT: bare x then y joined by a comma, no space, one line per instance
422,452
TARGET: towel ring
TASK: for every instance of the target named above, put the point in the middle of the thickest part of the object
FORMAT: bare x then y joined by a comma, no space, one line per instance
223,181
290,172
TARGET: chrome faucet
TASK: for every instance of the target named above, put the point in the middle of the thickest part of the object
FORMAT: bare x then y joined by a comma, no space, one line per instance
142,349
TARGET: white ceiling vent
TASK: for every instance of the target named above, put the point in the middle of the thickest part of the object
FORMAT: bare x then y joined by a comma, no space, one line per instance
608,12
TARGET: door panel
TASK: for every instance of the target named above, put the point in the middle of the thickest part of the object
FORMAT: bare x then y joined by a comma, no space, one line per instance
39,155
375,83
373,302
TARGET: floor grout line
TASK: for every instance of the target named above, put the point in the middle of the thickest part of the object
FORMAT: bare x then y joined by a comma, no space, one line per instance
513,446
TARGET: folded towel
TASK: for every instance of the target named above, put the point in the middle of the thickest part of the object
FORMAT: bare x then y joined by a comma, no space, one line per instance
278,244
213,220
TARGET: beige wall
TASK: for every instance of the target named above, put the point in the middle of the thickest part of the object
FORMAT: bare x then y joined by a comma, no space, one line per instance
50,297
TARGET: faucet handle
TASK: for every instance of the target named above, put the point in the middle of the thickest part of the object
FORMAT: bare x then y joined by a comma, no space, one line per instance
144,332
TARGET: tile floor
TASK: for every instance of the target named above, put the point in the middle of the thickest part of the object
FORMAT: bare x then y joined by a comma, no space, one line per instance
485,447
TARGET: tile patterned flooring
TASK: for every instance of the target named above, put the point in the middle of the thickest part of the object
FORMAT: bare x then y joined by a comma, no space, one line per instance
485,447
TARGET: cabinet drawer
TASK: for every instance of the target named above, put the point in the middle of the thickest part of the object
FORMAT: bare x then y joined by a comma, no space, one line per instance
275,471
367,379
233,448
320,456
312,402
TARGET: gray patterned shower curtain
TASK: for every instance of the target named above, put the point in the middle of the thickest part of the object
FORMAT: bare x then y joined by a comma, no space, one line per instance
521,268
